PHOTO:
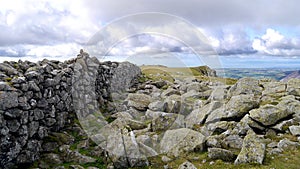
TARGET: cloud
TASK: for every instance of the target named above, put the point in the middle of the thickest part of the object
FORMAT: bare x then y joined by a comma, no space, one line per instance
44,22
54,28
203,12
274,43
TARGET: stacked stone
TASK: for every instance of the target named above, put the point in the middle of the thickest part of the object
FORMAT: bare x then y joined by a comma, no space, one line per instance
35,100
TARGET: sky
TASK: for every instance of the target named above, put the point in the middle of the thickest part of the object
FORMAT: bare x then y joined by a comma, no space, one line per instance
231,33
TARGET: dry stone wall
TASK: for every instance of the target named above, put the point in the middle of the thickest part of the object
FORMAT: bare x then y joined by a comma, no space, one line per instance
37,98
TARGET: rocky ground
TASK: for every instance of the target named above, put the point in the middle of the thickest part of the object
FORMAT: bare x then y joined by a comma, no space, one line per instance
184,123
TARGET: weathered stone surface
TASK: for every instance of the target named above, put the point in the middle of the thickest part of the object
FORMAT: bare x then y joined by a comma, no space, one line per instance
269,114
238,106
158,106
198,116
8,100
187,165
293,87
253,150
173,104
124,151
139,101
245,86
170,91
222,154
286,144
235,109
125,76
273,88
295,130
167,121
175,142
218,94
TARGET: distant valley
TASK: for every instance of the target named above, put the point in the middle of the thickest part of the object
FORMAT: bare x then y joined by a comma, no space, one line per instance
270,73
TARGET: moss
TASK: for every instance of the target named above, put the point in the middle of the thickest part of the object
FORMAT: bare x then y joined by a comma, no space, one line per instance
8,79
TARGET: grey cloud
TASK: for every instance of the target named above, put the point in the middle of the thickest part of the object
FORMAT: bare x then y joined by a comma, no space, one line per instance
203,12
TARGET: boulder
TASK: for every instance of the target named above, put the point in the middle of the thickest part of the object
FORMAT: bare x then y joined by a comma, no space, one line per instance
273,88
286,144
187,165
218,94
196,86
293,87
253,150
173,104
123,150
295,130
175,142
222,154
198,116
245,86
158,106
269,114
167,121
138,101
239,105
170,91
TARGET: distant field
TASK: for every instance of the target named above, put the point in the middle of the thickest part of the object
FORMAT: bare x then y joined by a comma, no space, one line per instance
271,73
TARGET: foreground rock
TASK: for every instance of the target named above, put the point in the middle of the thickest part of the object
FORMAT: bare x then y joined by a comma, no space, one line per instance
253,150
175,142
222,154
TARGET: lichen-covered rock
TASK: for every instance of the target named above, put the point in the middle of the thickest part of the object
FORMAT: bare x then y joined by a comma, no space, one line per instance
124,150
158,106
274,88
253,150
245,86
187,165
239,105
295,130
173,104
218,94
175,142
124,76
198,116
293,87
286,144
167,121
269,114
222,154
138,101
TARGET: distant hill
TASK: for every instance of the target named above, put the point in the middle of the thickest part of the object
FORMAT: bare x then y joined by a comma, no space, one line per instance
295,74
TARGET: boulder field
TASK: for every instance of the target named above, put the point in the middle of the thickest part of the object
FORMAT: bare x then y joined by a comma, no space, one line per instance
80,111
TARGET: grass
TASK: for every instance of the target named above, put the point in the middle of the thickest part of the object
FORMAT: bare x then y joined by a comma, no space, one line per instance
287,160
166,73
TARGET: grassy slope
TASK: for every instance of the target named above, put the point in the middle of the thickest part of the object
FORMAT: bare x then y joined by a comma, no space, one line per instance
167,73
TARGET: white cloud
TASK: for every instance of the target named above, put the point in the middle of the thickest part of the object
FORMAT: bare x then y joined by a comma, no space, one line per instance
274,43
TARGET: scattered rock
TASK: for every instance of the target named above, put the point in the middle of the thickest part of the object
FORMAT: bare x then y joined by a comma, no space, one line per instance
187,165
253,150
222,154
268,114
295,130
175,142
